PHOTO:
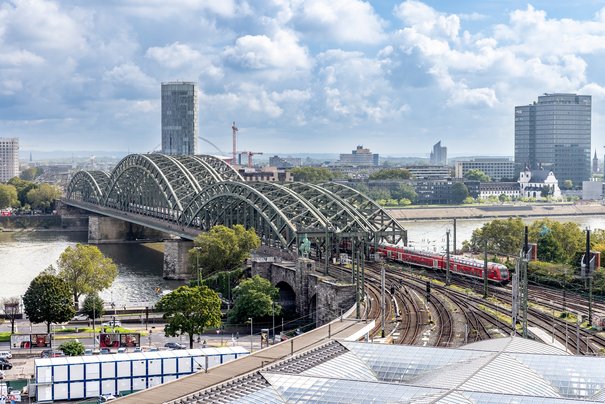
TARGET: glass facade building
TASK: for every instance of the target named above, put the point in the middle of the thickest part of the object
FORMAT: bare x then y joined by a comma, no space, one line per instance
555,134
179,118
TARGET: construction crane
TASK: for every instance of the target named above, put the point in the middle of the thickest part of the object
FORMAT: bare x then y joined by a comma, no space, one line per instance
249,154
235,130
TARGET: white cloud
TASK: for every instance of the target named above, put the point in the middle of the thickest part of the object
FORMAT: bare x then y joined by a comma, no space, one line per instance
158,9
174,55
282,51
344,21
131,76
19,58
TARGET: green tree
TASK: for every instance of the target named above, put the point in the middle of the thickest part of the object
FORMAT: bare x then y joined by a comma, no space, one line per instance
503,236
48,300
568,235
30,174
254,297
567,184
391,174
93,305
188,310
458,192
377,193
23,187
476,175
72,348
503,198
222,248
468,200
546,191
10,305
549,249
86,270
8,196
404,191
43,197
312,174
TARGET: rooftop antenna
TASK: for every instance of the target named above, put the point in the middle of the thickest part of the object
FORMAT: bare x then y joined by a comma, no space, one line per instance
235,130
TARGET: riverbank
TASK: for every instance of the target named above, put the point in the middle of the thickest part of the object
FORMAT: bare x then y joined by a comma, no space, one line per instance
495,211
43,223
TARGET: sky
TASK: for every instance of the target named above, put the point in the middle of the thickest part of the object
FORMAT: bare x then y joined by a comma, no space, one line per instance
296,75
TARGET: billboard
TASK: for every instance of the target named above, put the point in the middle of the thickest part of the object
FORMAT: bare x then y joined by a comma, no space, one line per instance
28,341
117,340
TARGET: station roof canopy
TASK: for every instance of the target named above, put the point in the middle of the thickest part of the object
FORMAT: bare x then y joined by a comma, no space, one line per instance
505,370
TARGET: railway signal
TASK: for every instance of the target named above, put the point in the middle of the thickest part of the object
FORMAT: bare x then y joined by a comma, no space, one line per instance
428,291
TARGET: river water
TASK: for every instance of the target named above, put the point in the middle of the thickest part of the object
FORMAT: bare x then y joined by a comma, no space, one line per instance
23,255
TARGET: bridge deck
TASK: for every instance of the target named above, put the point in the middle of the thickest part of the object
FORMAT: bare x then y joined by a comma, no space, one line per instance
199,381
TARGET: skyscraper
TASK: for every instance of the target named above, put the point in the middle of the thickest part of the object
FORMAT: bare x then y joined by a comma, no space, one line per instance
439,154
179,118
554,134
9,158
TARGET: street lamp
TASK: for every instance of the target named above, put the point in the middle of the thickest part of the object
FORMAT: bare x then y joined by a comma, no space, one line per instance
197,265
273,315
251,333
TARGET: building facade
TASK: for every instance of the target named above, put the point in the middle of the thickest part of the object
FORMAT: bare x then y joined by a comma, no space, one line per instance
9,158
359,157
429,172
285,162
495,189
439,154
180,127
495,168
595,163
555,134
533,182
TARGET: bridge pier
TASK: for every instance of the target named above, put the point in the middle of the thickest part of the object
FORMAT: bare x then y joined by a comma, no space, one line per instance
104,229
176,259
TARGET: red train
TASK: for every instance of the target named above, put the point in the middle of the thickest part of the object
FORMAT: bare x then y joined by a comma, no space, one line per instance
458,264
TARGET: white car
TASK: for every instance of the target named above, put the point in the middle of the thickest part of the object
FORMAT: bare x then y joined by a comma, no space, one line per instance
6,354
111,324
80,317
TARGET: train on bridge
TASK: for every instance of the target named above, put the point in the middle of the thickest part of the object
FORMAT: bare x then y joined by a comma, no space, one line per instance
461,265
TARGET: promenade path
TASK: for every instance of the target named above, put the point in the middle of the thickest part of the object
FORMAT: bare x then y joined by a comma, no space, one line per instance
494,211
345,329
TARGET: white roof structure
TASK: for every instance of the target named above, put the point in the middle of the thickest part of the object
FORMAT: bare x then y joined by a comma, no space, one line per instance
505,370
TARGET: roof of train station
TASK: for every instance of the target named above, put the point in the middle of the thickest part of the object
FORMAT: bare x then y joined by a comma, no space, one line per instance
501,370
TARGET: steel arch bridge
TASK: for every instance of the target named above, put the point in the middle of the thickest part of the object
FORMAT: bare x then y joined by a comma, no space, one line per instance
190,194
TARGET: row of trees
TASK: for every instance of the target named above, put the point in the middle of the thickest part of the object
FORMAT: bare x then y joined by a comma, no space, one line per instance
18,193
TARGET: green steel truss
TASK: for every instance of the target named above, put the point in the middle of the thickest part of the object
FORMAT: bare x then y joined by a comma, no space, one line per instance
198,192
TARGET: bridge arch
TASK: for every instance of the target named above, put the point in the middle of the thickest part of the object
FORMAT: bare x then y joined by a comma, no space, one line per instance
88,186
287,298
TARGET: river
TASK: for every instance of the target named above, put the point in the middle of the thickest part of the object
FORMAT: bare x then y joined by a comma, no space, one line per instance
23,255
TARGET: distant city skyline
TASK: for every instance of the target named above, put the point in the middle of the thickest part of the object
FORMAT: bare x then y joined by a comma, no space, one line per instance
294,75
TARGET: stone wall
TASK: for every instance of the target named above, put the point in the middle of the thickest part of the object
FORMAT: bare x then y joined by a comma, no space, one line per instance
103,229
176,260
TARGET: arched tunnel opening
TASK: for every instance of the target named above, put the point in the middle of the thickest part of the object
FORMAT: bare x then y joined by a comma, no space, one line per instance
287,300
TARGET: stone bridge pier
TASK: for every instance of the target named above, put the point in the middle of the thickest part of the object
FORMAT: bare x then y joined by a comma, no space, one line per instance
104,229
304,290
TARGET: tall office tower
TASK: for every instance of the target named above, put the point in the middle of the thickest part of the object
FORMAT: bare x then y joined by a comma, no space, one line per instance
439,154
9,158
179,118
554,134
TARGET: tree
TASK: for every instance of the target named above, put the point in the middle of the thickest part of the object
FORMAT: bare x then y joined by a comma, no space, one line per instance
546,191
568,235
86,270
476,175
188,310
311,174
567,184
93,305
43,197
503,236
404,191
72,348
391,174
222,248
458,192
503,198
549,249
30,174
48,300
23,187
254,297
11,310
8,196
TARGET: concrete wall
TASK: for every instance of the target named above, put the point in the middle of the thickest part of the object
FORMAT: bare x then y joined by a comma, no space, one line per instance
332,298
176,259
103,229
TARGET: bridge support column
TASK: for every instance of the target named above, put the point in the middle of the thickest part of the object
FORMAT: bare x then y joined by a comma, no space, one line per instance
333,299
104,229
176,259
304,267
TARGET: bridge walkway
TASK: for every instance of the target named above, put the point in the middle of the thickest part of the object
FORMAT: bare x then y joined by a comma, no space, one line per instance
347,328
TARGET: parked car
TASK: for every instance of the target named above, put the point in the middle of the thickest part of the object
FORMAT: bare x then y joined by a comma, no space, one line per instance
5,365
122,350
104,351
112,324
174,345
51,353
88,352
138,349
6,354
106,397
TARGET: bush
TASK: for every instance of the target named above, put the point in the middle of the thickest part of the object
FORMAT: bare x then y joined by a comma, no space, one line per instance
72,348
93,301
